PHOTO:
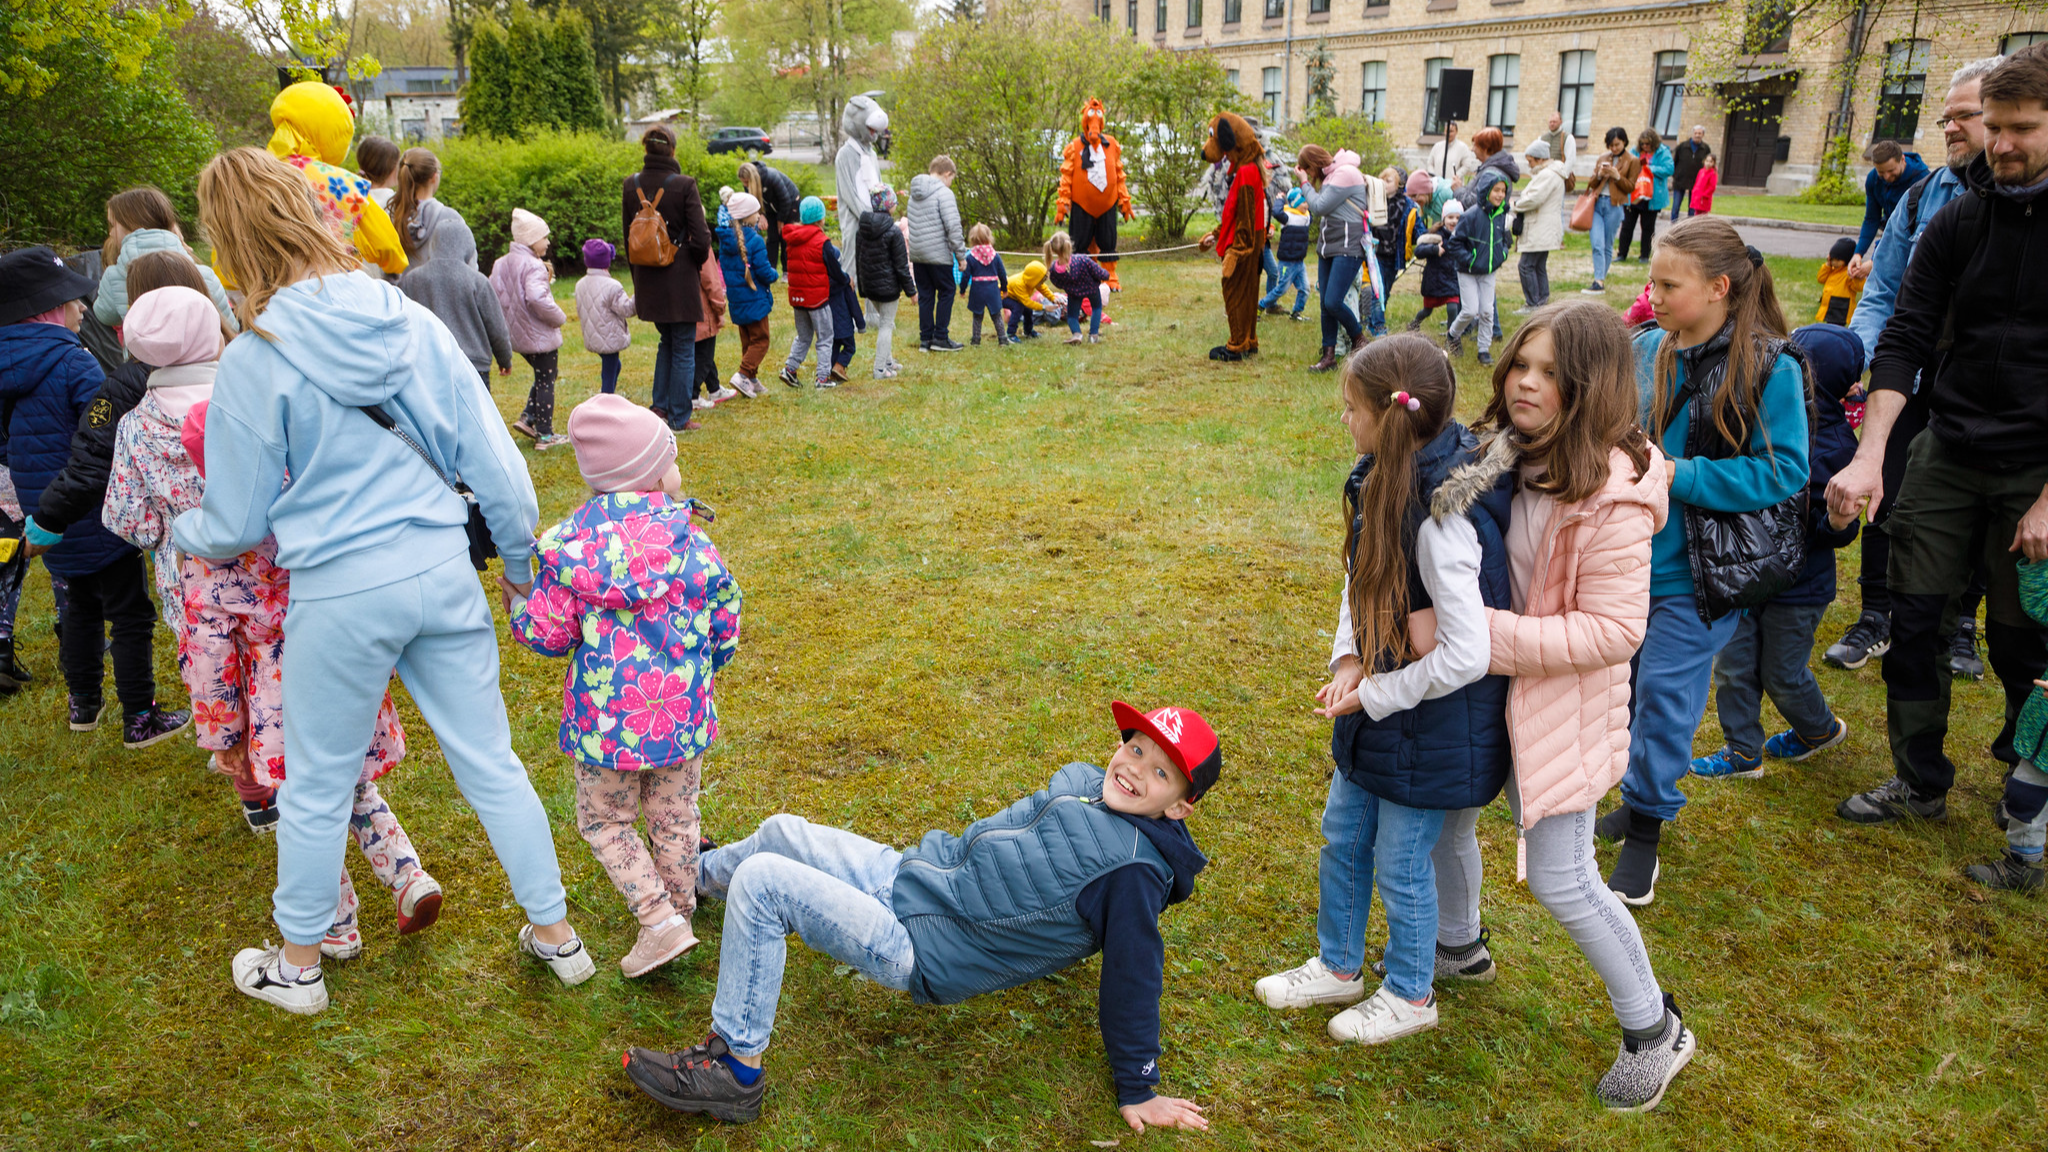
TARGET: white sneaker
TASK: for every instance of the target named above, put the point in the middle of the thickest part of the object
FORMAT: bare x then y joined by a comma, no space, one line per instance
703,403
1383,1017
571,964
723,394
1307,986
256,974
744,386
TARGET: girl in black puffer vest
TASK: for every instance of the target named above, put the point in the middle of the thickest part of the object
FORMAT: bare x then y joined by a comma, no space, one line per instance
883,264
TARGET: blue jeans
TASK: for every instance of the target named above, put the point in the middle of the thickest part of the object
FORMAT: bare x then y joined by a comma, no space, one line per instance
608,372
1770,652
1292,275
1606,225
1094,302
826,885
1334,277
1271,264
436,630
1673,670
675,371
1365,839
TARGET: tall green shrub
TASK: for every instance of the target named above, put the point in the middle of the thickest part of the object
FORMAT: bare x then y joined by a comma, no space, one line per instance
1832,184
532,73
578,101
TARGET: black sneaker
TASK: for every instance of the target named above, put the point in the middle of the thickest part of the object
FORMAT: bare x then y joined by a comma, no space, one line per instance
1870,635
1963,661
2009,873
1634,878
1890,801
696,1080
945,346
86,712
261,817
152,725
1486,359
789,378
1613,826
12,675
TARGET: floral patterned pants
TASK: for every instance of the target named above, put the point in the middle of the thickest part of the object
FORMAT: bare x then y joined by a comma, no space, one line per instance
659,883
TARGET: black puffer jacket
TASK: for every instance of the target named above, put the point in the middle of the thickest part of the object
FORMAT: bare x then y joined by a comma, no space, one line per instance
779,194
881,259
79,490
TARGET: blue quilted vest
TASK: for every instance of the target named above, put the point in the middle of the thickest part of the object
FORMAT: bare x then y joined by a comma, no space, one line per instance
1451,752
993,907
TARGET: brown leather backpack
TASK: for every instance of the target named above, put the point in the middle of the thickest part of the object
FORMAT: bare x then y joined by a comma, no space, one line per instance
647,241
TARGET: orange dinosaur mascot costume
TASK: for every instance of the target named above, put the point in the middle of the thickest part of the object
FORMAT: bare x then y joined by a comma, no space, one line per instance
1092,188
1241,232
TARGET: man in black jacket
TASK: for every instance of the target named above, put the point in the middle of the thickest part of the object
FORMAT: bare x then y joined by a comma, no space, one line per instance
1686,161
1972,316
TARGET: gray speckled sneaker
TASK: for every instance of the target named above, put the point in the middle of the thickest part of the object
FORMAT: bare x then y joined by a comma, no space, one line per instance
1476,966
1645,1068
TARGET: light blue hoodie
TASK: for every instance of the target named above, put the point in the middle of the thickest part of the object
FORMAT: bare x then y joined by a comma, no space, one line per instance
362,509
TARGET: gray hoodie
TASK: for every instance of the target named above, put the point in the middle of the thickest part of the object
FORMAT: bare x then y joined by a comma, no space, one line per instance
934,221
444,281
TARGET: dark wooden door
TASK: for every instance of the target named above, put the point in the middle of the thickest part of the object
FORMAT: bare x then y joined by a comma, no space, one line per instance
1752,142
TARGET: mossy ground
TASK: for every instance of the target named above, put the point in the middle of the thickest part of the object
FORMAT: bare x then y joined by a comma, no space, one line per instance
947,578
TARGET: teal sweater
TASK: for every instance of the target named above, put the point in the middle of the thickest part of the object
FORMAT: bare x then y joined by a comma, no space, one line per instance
1774,469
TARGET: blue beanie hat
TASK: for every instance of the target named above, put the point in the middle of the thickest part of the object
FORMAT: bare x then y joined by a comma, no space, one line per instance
597,254
810,211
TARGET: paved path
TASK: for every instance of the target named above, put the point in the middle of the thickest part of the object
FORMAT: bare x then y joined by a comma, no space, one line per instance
1791,241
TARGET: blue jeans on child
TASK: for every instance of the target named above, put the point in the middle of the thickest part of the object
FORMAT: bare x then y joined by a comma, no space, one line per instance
825,884
1770,652
1367,839
1094,313
608,372
1606,225
1292,275
1673,670
1020,313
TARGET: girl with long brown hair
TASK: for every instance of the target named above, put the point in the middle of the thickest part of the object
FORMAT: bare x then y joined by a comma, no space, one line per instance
140,221
1727,406
1588,495
371,407
418,177
1418,736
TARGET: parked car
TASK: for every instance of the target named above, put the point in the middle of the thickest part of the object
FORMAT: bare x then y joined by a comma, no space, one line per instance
739,140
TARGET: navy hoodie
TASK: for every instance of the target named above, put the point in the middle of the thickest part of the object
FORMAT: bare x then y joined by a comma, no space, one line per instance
1122,908
1834,361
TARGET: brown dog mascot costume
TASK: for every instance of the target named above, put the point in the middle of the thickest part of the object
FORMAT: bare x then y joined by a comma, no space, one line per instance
1241,232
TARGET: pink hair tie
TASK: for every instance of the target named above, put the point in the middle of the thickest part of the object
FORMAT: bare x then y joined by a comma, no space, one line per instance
1407,401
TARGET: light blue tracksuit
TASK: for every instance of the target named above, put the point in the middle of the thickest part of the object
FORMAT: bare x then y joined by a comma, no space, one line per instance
380,571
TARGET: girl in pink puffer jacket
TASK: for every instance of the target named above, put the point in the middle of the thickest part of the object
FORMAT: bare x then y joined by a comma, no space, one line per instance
1592,491
521,278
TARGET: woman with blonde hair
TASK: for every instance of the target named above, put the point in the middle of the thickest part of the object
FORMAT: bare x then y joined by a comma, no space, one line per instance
372,409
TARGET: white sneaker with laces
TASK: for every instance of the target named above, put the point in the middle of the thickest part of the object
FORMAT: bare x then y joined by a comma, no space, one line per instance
1382,1017
703,403
1307,986
744,386
257,973
723,394
571,963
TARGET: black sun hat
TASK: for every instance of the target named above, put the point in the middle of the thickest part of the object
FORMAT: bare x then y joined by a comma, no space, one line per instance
34,280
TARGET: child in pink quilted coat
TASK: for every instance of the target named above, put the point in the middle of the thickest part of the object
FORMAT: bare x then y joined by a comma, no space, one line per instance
639,600
1590,493
230,617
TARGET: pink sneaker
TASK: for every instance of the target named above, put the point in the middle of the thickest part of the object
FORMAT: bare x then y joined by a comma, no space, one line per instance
657,946
419,903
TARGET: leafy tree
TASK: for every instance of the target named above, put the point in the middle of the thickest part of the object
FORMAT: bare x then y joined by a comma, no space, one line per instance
225,80
36,36
1322,83
618,34
1162,111
813,53
487,101
679,36
293,32
1364,136
577,103
1002,97
400,32
532,74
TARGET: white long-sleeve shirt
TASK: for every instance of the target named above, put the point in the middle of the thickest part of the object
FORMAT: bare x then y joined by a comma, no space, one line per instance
1447,553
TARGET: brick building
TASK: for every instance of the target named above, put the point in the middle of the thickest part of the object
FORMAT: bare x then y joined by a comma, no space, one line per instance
1600,64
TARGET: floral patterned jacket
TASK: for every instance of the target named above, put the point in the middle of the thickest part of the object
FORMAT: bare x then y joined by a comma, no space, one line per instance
638,598
152,480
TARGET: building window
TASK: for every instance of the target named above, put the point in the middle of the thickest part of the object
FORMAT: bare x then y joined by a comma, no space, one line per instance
2019,40
1275,9
1270,79
1575,92
1230,77
1670,107
1159,17
1905,84
1318,6
1432,94
1131,15
1503,91
1233,11
1372,101
1194,13
1371,4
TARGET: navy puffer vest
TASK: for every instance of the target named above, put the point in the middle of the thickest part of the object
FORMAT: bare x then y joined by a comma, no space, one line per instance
1451,752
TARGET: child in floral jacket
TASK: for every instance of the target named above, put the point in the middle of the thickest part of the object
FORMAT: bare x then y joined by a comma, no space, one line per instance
230,617
637,597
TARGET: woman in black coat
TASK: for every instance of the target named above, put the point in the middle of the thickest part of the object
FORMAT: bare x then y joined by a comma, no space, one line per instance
780,201
669,297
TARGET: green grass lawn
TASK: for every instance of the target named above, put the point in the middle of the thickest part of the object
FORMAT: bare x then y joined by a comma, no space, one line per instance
947,577
1849,216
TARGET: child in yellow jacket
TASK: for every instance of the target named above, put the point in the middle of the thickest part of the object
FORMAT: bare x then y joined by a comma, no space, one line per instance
1025,295
1839,291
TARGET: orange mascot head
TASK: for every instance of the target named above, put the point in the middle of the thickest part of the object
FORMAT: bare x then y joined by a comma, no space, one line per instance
1091,121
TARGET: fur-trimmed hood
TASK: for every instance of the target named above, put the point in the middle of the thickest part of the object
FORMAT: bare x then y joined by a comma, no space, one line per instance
1499,456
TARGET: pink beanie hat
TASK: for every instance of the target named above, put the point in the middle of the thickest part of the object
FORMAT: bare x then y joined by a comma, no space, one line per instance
192,434
172,326
1420,184
620,446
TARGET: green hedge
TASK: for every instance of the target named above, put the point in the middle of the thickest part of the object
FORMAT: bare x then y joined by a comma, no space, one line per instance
571,180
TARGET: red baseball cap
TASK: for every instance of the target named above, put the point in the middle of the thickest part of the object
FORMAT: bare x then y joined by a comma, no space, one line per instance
1186,738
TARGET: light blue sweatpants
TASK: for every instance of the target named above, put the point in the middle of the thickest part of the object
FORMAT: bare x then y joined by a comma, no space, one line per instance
436,630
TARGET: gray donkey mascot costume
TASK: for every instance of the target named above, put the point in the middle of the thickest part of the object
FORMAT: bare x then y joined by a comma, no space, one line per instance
858,170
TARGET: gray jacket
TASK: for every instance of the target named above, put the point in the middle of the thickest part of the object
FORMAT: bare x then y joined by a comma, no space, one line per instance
1340,213
934,222
444,281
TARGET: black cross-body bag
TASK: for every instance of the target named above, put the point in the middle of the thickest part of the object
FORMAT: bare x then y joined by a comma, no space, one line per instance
482,549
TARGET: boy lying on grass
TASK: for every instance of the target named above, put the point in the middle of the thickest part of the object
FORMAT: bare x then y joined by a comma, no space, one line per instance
1088,864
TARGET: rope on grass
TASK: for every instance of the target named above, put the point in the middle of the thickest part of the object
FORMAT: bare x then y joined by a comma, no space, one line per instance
1118,255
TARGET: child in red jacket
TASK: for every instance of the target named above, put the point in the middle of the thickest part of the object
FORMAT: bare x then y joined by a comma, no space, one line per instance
810,293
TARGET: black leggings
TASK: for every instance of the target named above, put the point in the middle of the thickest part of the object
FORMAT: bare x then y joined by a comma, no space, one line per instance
117,595
1634,216
540,399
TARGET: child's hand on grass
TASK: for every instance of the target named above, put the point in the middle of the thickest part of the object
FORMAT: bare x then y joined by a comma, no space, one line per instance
1165,1112
1340,695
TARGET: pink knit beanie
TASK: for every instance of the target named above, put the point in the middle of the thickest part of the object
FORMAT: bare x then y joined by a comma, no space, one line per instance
172,326
620,446
1420,185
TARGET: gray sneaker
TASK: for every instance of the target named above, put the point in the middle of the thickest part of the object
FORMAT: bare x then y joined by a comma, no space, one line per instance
1476,966
1890,801
1645,1068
